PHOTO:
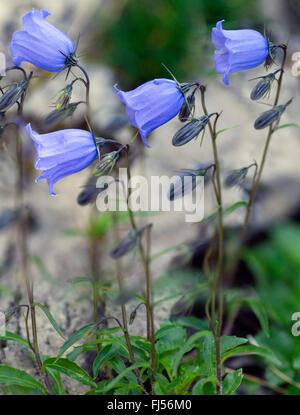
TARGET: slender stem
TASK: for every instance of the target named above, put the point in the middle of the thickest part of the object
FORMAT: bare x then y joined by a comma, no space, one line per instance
146,262
257,176
87,86
24,261
268,140
217,288
123,307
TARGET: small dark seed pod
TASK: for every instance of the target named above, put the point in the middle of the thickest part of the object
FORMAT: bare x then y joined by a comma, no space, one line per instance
269,117
190,131
187,108
262,87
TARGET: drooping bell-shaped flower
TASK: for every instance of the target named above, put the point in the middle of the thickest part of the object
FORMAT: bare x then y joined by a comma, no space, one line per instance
42,44
152,104
237,50
62,153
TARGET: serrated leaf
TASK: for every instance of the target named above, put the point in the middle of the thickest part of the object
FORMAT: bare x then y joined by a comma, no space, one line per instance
50,318
9,336
79,334
11,376
70,369
232,381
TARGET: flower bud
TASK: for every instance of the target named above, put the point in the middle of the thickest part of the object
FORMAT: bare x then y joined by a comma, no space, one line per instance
89,193
269,117
186,182
190,131
187,108
64,97
57,116
262,87
128,243
106,163
13,94
236,177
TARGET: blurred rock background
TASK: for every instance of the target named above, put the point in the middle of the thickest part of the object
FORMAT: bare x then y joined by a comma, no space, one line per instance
125,42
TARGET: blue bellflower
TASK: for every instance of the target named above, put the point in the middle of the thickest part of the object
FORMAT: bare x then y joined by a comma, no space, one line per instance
152,104
237,50
41,44
62,153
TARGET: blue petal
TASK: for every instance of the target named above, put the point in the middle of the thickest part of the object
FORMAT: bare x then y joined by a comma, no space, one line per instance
237,50
62,153
152,104
40,43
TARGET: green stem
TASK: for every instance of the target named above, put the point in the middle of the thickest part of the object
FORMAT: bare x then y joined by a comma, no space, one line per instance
217,287
123,307
146,262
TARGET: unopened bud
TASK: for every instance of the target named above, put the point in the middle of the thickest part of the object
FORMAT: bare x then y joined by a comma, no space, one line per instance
190,131
236,177
128,243
262,87
106,163
13,94
64,97
269,117
187,108
57,116
186,182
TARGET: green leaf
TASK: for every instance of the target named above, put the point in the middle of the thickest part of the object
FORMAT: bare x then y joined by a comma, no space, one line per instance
42,268
232,381
234,207
280,127
230,342
259,310
106,353
252,349
226,129
9,336
55,375
205,386
50,318
189,344
215,211
11,376
83,331
122,374
7,291
80,280
70,369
